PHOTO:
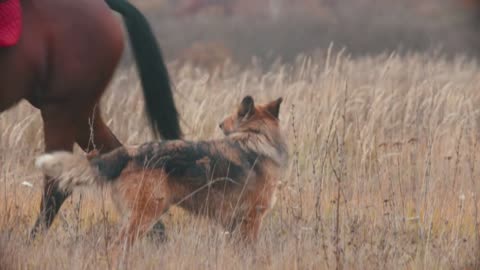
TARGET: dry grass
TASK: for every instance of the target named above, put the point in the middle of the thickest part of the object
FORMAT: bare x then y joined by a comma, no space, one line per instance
383,171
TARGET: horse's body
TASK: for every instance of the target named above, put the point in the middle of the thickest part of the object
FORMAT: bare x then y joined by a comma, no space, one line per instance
65,58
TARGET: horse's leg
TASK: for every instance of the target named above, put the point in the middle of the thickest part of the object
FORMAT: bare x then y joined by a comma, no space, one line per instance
93,133
67,82
59,132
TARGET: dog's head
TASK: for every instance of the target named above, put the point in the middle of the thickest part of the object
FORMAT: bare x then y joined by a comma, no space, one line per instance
252,118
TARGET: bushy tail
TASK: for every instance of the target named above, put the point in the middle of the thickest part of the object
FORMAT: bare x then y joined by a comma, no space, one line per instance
153,73
68,170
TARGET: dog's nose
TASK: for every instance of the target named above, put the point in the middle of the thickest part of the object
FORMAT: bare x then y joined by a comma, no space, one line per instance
220,125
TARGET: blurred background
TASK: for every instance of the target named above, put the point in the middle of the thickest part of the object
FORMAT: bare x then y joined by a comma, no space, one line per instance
207,33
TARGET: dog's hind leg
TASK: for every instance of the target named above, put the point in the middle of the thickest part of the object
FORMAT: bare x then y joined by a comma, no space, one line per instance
142,218
138,225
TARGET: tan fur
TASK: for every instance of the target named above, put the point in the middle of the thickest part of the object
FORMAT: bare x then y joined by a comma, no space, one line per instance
143,194
69,170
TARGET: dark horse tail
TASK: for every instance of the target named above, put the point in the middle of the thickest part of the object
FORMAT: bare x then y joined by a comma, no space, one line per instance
153,73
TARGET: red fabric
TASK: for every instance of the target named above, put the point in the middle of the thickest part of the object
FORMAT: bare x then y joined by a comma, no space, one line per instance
10,22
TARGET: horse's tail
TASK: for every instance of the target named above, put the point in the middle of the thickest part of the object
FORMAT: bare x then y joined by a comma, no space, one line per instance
153,72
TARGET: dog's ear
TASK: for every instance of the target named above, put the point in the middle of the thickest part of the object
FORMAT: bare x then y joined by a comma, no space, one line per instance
246,108
274,107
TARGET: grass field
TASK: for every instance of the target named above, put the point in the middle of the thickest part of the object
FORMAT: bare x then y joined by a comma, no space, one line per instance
383,171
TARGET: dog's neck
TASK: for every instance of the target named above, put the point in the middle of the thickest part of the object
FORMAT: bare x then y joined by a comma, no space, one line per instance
271,146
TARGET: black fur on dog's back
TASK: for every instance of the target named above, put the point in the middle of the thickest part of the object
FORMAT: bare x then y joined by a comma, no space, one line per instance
197,163
111,165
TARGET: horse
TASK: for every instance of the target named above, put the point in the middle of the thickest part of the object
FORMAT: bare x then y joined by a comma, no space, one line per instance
64,60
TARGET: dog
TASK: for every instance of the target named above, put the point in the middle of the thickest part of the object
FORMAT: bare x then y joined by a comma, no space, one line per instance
232,180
